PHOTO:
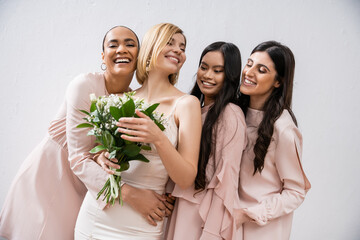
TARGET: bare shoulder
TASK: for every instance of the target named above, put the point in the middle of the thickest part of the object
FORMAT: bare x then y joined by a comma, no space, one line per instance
187,101
188,107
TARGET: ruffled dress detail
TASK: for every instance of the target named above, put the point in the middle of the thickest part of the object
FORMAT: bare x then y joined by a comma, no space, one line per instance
208,214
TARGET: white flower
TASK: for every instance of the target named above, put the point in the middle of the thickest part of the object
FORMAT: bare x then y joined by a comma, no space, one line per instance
93,97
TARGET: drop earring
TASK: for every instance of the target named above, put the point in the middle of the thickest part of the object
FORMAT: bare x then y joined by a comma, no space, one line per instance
147,65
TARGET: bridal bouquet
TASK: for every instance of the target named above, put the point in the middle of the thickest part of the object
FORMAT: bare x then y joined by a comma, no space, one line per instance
104,113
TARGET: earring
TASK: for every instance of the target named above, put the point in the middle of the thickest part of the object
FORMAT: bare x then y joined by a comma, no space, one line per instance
202,99
147,65
103,66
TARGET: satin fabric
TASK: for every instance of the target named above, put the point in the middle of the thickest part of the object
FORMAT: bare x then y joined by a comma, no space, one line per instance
271,197
122,222
208,214
45,197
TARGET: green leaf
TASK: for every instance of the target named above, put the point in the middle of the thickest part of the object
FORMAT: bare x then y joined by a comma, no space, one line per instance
139,157
85,125
115,112
123,167
97,149
83,111
127,142
107,139
152,108
145,147
131,150
93,107
128,108
162,128
112,154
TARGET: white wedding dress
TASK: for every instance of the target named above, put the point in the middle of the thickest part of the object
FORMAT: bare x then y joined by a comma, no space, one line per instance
123,222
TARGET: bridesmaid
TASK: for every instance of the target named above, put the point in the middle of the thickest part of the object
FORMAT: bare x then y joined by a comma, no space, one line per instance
45,197
206,209
272,181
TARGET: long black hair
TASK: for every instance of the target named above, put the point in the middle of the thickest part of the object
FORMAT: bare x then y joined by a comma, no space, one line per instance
279,99
227,94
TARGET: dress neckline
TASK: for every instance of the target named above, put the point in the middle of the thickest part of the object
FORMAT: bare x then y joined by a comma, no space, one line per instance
254,117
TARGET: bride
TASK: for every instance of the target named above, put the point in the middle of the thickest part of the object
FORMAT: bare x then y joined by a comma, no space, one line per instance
174,152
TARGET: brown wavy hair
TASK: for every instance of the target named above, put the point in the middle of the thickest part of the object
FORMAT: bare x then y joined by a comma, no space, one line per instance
279,99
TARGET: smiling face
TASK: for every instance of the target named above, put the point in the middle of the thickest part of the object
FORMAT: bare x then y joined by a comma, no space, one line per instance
259,79
120,52
172,57
211,75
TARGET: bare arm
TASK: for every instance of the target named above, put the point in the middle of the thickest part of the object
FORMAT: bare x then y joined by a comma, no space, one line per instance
181,163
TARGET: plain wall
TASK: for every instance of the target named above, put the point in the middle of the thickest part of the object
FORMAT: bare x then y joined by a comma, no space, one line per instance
45,44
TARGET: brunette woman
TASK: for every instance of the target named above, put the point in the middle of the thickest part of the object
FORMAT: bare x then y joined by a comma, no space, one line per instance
272,181
206,209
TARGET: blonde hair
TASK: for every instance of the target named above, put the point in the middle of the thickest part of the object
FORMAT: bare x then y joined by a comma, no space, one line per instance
153,43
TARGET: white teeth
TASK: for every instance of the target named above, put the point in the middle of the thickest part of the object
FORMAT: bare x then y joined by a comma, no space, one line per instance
249,82
175,59
122,60
208,84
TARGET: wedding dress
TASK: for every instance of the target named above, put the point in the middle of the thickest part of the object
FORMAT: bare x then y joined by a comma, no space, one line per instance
123,222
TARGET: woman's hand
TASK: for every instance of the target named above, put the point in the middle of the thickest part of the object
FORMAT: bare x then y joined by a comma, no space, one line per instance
146,202
240,217
105,163
141,129
169,203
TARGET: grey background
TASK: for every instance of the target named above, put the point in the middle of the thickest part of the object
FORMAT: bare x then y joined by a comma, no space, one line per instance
45,44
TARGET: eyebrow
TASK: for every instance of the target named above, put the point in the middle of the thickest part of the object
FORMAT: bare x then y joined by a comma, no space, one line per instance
126,40
220,66
259,64
262,65
129,40
181,44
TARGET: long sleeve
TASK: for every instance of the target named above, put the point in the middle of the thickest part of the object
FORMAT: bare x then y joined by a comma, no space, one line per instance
221,197
79,144
289,169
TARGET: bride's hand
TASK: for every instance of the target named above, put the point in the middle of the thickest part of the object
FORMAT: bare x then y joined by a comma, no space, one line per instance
147,202
141,129
105,163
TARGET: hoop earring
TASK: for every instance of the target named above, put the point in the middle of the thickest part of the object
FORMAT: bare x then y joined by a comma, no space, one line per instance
103,66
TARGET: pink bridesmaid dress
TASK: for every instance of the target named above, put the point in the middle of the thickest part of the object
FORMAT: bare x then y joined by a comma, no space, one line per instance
271,197
208,214
45,197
